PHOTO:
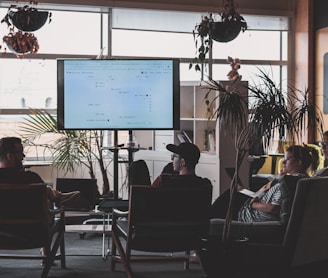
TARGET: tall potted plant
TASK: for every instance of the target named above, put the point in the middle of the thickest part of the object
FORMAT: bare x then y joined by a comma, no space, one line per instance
70,148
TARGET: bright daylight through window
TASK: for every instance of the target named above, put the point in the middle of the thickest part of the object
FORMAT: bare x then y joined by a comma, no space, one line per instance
30,82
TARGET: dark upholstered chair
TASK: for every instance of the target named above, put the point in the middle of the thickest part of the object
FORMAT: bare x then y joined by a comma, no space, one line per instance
27,223
160,220
301,245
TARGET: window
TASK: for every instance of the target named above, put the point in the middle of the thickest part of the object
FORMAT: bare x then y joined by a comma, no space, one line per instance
31,81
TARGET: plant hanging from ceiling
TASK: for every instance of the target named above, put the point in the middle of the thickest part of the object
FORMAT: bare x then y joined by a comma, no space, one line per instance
224,30
22,21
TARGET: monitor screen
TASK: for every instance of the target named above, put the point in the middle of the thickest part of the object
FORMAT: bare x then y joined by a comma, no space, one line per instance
123,94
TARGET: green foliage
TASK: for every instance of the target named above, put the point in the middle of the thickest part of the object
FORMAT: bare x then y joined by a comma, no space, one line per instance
69,148
272,111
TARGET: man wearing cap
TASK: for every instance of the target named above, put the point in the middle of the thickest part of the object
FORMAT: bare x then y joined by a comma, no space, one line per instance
185,157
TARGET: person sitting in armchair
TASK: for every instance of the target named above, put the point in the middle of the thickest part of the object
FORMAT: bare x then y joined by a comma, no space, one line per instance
276,196
12,171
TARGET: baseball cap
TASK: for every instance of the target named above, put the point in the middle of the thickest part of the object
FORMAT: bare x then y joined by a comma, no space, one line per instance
188,151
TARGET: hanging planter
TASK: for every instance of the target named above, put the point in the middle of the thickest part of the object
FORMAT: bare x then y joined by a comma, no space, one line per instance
226,31
26,18
209,30
21,43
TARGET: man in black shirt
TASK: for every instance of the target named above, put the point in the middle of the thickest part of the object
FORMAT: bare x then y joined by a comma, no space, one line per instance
12,170
185,157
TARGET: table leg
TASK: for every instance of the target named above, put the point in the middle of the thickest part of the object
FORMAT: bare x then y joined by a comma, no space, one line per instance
105,252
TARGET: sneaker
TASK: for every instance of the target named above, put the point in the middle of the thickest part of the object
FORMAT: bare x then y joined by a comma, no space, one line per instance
65,198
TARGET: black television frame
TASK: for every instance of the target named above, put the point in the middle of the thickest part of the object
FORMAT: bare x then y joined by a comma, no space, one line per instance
175,90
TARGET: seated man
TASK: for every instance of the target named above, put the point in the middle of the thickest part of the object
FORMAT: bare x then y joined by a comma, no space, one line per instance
12,171
185,157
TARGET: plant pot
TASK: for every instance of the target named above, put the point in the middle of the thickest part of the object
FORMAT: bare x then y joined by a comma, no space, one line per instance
225,31
218,259
21,43
28,20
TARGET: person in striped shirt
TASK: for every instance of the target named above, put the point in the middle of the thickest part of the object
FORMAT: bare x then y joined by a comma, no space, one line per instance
267,205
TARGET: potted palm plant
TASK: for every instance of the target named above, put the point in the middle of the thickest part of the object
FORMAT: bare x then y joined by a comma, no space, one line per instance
70,148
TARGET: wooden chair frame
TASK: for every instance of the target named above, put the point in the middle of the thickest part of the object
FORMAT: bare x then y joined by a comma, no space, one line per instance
26,222
160,220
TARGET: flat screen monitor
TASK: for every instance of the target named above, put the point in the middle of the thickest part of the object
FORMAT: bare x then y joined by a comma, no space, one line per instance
124,94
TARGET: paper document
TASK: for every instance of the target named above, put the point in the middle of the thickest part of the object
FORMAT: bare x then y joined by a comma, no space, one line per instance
251,193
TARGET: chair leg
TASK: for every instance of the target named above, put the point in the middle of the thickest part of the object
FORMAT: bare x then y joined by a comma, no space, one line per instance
187,260
48,260
62,253
125,259
113,254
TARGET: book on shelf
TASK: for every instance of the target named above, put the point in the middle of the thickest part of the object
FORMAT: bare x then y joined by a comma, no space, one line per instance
185,136
210,140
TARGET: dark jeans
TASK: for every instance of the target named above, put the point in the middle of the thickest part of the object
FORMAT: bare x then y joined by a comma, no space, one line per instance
220,205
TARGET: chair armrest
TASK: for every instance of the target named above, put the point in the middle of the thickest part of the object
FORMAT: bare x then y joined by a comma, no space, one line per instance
120,213
268,231
57,211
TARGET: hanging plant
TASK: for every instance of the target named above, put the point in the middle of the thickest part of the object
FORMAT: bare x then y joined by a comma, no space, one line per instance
26,18
224,30
21,43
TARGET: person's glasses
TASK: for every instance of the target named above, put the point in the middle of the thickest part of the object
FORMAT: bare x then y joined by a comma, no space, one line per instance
174,155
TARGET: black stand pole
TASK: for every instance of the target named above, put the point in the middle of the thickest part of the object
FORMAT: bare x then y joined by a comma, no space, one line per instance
115,150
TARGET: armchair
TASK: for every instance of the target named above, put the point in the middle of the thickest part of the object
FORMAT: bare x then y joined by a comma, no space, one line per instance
27,223
160,220
291,248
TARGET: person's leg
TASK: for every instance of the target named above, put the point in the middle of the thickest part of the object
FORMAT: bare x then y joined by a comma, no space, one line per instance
60,199
221,204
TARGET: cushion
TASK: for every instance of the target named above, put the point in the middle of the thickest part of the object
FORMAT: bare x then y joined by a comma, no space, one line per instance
268,231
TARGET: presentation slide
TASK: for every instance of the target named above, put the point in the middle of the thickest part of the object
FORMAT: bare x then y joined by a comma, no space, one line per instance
118,94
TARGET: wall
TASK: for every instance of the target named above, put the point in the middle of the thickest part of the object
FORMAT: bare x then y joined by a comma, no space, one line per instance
302,54
321,48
